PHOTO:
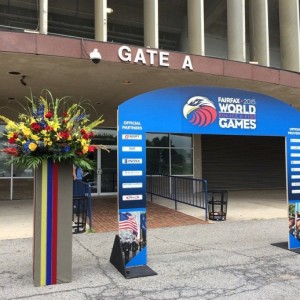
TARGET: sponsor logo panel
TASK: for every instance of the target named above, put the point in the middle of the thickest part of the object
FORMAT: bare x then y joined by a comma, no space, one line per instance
132,173
132,197
131,136
130,185
132,149
132,161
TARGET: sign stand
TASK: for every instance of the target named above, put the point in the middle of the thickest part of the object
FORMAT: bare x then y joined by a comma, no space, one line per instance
116,259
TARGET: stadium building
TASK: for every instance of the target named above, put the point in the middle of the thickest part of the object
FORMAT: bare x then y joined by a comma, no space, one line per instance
146,45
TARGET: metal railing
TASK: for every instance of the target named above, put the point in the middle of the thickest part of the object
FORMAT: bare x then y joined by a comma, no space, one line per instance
82,191
185,190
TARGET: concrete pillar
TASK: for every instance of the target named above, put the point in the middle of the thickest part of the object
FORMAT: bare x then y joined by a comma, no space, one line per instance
195,10
236,33
197,156
289,34
151,29
259,32
100,20
43,16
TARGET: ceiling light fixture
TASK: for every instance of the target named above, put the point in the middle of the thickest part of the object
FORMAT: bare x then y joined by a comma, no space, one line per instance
126,82
14,73
22,80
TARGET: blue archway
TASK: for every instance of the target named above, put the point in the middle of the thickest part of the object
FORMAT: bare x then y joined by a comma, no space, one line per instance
196,110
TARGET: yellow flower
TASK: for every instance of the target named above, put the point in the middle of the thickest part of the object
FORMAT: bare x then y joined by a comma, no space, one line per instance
11,126
83,142
26,131
85,149
54,125
35,137
10,134
44,133
32,146
47,141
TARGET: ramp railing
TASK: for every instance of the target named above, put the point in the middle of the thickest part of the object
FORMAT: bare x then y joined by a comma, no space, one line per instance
190,191
82,194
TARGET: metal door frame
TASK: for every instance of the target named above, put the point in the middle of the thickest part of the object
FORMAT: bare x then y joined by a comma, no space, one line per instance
99,173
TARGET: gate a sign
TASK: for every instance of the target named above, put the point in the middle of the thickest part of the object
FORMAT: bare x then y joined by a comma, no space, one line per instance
193,110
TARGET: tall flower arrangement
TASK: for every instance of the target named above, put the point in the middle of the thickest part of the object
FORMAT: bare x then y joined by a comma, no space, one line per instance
50,128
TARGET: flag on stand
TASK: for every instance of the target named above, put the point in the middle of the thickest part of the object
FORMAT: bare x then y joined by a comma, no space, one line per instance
128,222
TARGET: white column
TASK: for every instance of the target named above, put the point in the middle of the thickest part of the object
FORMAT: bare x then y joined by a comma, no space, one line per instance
289,34
259,32
100,20
195,10
151,29
43,16
236,33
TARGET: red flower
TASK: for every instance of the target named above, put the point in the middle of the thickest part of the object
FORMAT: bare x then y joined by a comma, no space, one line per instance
49,128
35,126
11,140
85,136
64,134
65,114
91,135
82,131
11,151
91,148
48,115
79,153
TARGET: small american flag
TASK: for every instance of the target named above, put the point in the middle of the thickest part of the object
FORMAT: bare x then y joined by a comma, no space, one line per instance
128,222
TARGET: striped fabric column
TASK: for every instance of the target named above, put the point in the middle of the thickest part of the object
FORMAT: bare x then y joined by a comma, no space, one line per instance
49,247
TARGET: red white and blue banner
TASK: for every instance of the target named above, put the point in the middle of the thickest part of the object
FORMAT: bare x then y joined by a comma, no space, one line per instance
198,110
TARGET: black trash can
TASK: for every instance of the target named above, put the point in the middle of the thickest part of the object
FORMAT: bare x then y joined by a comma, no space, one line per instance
217,204
79,214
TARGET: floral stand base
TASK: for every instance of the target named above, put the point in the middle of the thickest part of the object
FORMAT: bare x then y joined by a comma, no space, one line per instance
52,244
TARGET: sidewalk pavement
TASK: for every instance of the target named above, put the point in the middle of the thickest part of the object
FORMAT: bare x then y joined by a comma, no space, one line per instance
222,260
16,217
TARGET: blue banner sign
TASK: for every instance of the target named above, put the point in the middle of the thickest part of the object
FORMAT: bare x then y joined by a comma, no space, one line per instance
293,186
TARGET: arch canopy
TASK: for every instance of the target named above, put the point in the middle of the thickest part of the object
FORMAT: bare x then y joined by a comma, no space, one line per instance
209,110
196,110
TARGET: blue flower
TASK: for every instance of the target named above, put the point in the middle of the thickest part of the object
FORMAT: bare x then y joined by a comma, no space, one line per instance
26,146
80,117
39,112
43,124
66,149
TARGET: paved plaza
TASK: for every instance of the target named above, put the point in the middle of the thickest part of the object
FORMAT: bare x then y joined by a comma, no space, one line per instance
222,260
233,259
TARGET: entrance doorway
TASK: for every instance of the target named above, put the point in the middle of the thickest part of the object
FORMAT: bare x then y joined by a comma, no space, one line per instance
104,178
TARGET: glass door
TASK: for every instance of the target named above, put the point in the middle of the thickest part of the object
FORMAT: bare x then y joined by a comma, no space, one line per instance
108,171
104,179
